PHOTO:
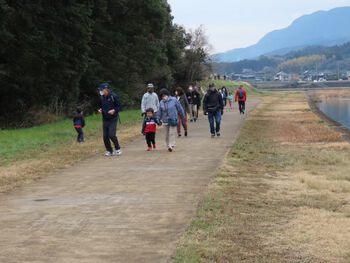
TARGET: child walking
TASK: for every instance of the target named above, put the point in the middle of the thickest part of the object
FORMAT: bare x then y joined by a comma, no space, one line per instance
149,129
79,124
230,100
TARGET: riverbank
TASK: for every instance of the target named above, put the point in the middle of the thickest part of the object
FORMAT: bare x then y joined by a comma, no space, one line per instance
282,194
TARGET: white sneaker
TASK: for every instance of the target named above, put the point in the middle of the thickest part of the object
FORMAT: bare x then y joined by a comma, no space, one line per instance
117,152
108,154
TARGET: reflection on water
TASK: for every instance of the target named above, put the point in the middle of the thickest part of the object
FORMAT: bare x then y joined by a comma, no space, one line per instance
336,108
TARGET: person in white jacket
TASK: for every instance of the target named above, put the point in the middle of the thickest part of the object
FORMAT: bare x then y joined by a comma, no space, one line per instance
150,100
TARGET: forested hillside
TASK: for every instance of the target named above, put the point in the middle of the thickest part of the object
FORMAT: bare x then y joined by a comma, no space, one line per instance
54,53
325,58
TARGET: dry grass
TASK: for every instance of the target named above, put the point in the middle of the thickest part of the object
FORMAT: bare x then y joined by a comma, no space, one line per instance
20,172
281,196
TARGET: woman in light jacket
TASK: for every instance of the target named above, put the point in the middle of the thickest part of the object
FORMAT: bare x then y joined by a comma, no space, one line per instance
181,97
169,110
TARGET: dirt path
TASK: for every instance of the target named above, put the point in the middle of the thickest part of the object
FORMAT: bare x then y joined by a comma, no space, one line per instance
128,209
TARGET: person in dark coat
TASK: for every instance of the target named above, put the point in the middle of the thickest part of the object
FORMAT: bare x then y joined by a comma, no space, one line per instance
79,124
110,108
213,106
182,121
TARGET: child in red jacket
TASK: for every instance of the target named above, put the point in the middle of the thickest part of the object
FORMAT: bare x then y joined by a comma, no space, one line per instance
149,128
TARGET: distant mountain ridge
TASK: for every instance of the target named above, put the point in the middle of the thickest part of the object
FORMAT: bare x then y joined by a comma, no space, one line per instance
326,28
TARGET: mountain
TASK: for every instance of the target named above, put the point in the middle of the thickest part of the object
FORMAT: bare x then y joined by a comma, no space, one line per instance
324,28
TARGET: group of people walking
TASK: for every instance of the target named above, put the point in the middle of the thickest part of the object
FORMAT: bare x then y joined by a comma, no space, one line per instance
172,112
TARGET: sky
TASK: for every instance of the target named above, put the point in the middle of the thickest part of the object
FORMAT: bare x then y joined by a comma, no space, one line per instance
233,24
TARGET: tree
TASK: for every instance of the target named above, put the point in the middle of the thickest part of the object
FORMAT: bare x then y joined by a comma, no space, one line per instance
197,60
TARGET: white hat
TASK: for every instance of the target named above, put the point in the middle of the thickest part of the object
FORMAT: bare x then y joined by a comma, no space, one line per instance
150,85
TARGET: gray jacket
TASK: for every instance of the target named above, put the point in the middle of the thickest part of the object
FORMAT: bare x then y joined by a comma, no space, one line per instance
150,100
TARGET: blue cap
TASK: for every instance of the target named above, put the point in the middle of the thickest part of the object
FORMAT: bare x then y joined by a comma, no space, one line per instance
103,86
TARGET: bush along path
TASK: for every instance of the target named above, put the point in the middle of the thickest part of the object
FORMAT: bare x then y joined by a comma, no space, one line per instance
132,208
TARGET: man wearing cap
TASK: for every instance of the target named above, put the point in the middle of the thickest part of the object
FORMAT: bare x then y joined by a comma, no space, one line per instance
110,107
150,100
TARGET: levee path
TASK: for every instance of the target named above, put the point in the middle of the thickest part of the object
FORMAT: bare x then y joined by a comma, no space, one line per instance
126,209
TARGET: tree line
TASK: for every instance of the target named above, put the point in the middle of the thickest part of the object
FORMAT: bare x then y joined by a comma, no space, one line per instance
53,54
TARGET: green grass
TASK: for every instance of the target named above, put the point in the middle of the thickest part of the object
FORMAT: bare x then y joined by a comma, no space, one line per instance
20,144
232,86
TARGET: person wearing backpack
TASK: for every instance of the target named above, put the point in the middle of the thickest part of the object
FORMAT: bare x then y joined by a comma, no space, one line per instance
110,108
213,106
169,110
241,98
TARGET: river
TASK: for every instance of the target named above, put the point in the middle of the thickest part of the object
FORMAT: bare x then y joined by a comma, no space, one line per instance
337,108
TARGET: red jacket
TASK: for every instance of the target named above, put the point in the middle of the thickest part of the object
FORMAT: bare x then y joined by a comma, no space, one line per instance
241,98
150,125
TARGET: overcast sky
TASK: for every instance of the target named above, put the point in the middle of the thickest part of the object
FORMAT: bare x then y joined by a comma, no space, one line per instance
236,23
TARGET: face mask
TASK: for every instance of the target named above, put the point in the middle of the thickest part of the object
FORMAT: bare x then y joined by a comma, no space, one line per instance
101,92
165,98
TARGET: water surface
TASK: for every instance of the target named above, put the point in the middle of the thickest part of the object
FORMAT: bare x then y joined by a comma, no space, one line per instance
337,108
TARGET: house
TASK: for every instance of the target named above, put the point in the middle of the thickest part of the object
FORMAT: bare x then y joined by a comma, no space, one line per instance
282,76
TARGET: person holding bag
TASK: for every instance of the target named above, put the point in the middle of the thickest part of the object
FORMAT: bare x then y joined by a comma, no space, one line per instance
169,110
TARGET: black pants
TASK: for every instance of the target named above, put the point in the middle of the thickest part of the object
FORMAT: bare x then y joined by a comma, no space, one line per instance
241,105
80,132
151,139
109,134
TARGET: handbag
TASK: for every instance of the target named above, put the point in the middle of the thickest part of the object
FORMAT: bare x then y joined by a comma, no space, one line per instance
172,122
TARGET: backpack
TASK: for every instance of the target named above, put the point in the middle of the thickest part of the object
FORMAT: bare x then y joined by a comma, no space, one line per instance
240,94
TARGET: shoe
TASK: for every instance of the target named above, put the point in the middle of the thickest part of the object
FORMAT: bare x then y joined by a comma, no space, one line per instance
195,119
170,149
117,152
179,135
213,135
154,146
218,134
107,154
149,149
185,133
191,120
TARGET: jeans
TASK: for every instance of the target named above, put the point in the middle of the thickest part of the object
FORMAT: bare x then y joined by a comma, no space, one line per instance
80,132
151,139
241,105
109,134
214,121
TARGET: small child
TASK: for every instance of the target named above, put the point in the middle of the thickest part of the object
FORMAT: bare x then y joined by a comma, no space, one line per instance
149,128
79,124
230,100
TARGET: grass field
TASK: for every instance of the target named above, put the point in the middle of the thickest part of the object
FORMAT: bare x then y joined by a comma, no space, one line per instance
232,86
30,154
25,143
281,196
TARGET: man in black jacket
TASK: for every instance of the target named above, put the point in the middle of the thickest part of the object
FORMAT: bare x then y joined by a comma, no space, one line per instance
110,107
213,106
193,98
